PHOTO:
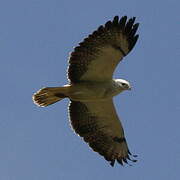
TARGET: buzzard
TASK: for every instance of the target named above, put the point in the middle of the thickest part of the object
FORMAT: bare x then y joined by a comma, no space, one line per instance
91,88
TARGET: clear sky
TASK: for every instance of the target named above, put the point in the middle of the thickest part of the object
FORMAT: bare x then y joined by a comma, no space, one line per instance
36,37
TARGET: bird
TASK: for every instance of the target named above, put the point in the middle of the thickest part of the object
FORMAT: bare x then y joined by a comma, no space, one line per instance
91,88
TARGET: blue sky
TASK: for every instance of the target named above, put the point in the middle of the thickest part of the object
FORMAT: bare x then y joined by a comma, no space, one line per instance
36,37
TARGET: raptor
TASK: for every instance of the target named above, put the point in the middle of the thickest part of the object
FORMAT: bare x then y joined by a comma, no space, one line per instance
91,88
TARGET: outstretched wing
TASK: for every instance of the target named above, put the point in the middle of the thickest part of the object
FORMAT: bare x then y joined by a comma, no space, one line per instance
99,125
96,58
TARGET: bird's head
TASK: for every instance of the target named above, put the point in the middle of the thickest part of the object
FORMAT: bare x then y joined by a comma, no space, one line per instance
123,84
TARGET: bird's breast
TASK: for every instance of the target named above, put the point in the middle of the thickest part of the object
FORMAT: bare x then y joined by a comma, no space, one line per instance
92,91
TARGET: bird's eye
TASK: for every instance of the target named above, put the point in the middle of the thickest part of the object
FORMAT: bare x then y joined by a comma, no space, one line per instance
123,84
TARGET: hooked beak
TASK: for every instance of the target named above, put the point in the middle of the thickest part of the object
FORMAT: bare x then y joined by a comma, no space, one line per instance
130,88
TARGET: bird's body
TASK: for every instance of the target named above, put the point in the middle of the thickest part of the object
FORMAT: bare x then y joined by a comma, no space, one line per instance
93,91
91,88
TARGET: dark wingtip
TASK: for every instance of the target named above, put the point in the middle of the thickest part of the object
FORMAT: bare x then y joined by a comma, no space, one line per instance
134,29
129,25
122,21
108,25
125,160
133,20
132,160
112,163
132,44
116,20
120,161
128,28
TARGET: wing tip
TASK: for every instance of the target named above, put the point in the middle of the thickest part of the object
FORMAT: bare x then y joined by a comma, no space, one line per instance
128,28
122,160
133,42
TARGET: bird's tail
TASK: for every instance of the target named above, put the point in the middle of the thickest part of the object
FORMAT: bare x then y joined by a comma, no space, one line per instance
50,95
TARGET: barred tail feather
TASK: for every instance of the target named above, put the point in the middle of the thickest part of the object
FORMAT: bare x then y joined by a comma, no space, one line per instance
49,95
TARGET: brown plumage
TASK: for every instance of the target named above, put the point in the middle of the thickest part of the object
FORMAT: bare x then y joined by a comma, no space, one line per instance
120,35
91,88
99,125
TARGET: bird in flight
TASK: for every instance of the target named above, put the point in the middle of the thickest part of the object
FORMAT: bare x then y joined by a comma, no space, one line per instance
91,88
